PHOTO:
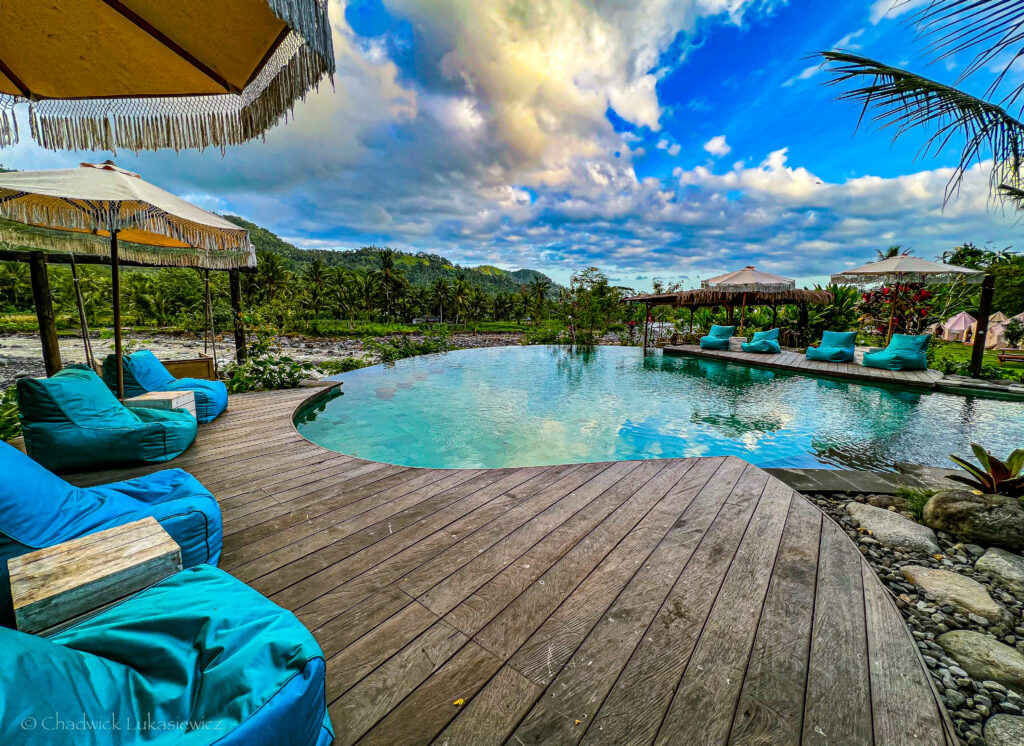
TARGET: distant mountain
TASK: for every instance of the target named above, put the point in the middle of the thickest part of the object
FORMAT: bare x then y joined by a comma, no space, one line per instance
421,269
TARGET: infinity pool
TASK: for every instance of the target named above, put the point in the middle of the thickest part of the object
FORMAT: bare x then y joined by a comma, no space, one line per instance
539,405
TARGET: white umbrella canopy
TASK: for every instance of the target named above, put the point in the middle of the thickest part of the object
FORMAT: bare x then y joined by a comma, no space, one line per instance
903,269
149,74
76,205
907,269
750,280
90,208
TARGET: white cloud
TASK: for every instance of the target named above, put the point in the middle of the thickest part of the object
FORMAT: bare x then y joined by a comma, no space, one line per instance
672,148
888,9
717,146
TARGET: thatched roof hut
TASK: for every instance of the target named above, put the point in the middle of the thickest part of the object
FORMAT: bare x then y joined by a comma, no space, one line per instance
710,297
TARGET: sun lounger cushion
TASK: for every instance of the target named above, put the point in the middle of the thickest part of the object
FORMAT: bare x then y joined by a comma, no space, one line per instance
764,342
199,658
717,338
72,421
835,347
39,509
905,352
144,373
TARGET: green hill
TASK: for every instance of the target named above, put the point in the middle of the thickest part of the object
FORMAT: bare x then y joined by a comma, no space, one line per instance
421,269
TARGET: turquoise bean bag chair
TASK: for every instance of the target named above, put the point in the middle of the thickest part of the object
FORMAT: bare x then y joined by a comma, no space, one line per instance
144,373
764,342
39,509
199,658
717,338
905,352
835,347
72,421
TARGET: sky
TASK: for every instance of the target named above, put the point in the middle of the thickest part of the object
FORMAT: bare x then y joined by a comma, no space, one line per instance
669,139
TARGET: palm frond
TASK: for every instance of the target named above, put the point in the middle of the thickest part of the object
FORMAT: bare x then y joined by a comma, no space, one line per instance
989,29
902,101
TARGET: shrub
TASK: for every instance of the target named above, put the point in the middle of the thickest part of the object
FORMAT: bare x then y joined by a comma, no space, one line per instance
916,499
1014,332
546,335
396,348
265,373
10,425
344,365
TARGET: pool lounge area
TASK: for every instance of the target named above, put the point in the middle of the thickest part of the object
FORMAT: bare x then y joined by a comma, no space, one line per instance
583,603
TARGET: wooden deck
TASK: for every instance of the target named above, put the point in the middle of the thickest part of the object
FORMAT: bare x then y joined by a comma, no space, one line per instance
694,601
797,363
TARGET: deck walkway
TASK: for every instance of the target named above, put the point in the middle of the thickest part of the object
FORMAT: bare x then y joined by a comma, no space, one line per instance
796,362
691,601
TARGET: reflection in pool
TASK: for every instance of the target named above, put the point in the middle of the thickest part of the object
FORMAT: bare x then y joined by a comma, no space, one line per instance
537,405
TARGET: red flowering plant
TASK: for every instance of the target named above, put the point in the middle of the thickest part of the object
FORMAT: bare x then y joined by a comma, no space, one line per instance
913,308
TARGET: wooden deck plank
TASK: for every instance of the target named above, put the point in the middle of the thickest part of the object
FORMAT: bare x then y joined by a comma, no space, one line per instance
626,596
796,363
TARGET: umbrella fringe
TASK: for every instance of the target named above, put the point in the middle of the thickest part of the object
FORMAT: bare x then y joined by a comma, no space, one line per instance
937,278
15,237
179,123
60,214
8,122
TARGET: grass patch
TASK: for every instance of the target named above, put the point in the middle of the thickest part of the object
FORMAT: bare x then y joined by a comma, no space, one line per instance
916,499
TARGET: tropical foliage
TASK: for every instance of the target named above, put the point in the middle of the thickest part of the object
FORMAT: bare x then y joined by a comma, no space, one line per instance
991,475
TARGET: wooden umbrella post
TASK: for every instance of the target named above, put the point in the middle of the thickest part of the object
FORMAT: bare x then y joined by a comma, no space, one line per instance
115,289
236,312
43,301
743,314
892,314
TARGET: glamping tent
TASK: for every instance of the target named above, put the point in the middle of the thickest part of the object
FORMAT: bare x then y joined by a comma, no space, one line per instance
953,329
995,337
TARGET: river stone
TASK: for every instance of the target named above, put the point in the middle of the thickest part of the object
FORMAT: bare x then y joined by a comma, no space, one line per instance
984,657
894,530
1006,568
988,520
1004,730
968,596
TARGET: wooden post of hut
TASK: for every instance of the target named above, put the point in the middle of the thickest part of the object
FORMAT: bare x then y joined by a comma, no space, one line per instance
43,300
235,282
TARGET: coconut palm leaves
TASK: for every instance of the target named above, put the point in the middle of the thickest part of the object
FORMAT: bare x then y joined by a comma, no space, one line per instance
901,101
993,477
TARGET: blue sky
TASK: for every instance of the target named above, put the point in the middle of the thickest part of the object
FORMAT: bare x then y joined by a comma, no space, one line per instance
659,138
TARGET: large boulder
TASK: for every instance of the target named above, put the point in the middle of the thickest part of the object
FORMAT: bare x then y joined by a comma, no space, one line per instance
1004,730
966,595
893,530
1004,567
988,520
985,658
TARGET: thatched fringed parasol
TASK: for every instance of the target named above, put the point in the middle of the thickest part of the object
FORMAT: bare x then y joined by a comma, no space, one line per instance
89,209
152,74
707,298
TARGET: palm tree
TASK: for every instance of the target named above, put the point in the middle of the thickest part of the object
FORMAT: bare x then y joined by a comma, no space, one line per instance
315,279
460,297
272,278
537,291
14,279
392,282
891,252
902,100
440,294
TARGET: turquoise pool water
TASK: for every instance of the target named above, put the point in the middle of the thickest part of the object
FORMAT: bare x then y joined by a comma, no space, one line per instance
537,405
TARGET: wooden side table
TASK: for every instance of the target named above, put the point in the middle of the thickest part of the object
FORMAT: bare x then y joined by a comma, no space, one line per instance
165,400
54,587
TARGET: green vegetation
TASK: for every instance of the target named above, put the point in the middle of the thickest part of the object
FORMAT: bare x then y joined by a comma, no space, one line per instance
10,425
916,499
993,476
396,348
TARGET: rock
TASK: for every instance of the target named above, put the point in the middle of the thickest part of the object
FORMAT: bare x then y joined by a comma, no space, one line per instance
1004,567
887,501
893,530
1004,730
989,520
966,595
985,658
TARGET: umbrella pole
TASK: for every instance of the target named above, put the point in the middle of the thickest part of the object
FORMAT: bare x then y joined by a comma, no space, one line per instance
892,314
115,288
743,314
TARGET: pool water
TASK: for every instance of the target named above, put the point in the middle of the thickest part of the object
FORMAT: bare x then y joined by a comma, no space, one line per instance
540,405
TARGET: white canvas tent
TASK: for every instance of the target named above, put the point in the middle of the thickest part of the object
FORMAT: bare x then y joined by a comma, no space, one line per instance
995,337
953,328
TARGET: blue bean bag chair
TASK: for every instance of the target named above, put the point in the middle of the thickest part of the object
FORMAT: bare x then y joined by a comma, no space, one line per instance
72,421
835,347
199,658
764,342
905,352
144,373
39,509
717,338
